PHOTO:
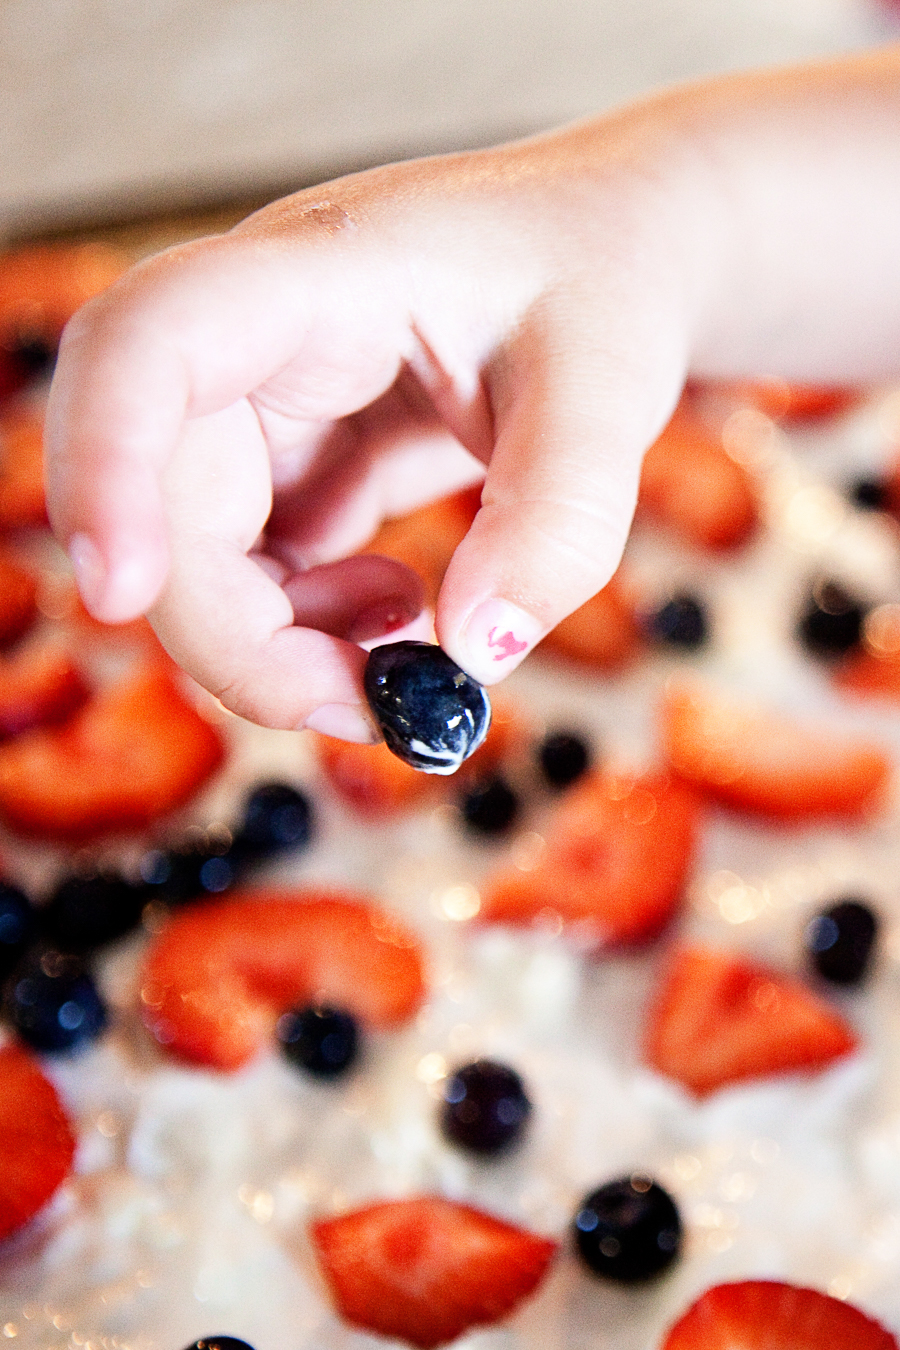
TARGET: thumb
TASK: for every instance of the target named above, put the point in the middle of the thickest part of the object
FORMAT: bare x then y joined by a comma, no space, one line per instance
573,420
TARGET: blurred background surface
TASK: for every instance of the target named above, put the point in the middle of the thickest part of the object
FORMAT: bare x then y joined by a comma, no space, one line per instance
117,108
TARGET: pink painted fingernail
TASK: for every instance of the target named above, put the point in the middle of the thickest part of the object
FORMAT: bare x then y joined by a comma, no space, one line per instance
343,720
496,638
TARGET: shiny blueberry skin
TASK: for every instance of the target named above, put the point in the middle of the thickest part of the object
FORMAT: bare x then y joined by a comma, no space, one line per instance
18,925
323,1041
563,758
490,807
276,817
681,622
431,713
220,1343
840,942
831,623
89,911
52,1002
629,1230
485,1108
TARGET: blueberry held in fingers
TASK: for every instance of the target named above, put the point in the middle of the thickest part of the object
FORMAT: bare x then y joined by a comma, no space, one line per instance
431,713
628,1230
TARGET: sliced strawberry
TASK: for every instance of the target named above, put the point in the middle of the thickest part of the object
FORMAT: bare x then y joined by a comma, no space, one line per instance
603,633
39,685
219,975
871,675
690,483
755,760
614,865
720,1019
780,399
426,539
42,285
376,783
38,1144
22,469
134,752
18,599
424,1270
769,1315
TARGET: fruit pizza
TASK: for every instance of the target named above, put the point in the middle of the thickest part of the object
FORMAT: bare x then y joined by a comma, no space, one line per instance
567,1018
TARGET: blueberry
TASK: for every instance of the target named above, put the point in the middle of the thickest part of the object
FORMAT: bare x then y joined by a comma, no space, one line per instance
431,713
220,1343
18,924
563,757
485,1108
628,1230
869,493
681,622
52,1002
88,911
831,623
490,807
202,866
276,817
840,941
323,1041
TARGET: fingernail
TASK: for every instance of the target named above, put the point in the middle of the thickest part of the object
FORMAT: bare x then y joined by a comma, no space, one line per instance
344,721
384,617
497,636
89,568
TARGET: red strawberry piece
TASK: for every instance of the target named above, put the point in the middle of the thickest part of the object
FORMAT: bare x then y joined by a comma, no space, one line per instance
38,1144
424,1270
22,469
376,783
39,685
614,865
42,285
769,1315
690,483
780,399
747,757
133,753
218,975
719,1019
426,539
18,599
603,633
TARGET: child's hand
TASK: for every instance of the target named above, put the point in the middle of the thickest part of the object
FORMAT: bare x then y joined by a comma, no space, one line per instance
537,305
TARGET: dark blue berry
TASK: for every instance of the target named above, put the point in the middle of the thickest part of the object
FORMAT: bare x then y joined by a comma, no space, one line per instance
52,1002
869,493
628,1230
431,713
200,867
323,1041
563,757
485,1108
831,623
220,1343
681,622
18,925
88,911
490,807
841,940
276,817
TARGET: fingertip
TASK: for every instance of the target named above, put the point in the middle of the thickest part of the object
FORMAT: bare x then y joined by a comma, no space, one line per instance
493,639
115,590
